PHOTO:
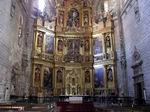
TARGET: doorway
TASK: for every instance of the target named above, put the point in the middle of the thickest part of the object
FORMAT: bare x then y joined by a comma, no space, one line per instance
139,93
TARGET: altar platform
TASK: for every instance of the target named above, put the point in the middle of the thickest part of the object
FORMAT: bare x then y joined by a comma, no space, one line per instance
75,107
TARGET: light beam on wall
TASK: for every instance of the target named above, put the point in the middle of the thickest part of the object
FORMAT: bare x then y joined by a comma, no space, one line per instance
41,5
98,66
106,7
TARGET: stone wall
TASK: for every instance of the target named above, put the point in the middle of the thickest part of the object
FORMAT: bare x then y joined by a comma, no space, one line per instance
5,46
15,47
118,53
136,27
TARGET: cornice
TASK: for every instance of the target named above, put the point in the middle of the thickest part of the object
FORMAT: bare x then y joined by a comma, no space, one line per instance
125,6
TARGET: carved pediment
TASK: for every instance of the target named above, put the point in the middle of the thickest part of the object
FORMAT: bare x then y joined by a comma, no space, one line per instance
136,58
136,55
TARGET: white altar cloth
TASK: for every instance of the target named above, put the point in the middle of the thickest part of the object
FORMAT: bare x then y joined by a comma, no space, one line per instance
75,99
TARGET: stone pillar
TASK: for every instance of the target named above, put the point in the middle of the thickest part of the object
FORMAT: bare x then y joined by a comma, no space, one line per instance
124,77
2,86
4,90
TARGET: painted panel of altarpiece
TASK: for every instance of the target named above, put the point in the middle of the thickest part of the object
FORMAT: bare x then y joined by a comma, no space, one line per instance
47,79
73,53
49,44
99,77
73,18
97,45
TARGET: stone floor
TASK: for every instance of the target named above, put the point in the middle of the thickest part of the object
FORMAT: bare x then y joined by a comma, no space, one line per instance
54,108
123,109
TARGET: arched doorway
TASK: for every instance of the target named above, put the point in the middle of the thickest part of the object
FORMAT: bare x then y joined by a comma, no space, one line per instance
138,77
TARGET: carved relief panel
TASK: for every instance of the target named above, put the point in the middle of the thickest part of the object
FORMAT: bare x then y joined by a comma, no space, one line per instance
73,51
73,82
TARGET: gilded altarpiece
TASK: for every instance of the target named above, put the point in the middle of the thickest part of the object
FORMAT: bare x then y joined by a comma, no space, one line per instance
104,57
75,57
42,59
73,45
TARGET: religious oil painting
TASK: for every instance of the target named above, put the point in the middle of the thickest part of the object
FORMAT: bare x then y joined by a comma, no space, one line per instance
99,77
47,78
97,45
49,44
73,18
